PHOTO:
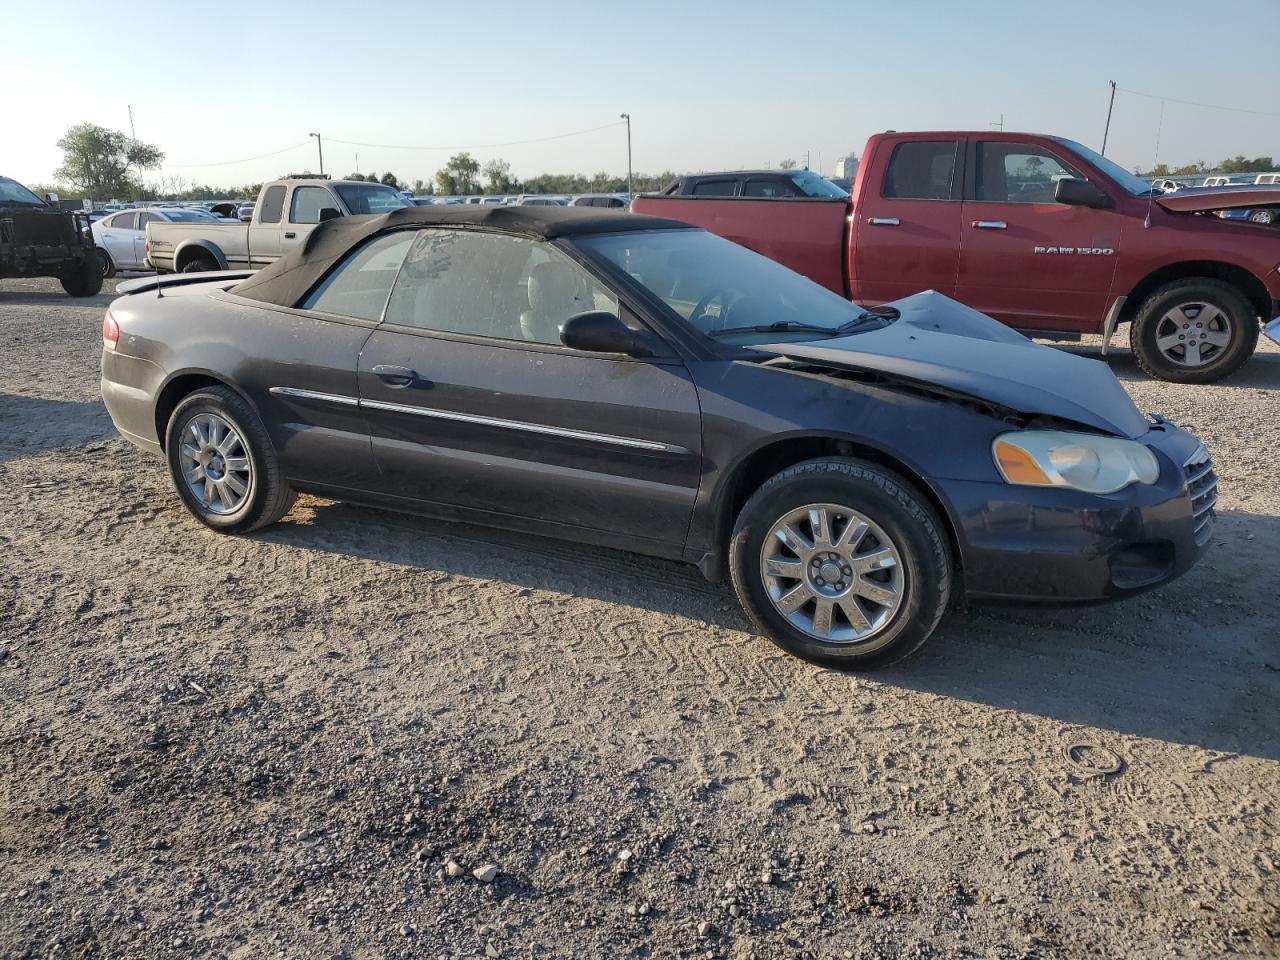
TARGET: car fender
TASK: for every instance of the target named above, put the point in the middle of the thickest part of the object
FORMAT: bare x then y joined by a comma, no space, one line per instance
208,246
167,401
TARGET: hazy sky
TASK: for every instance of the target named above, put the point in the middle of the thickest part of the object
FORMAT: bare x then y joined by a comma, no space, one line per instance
709,85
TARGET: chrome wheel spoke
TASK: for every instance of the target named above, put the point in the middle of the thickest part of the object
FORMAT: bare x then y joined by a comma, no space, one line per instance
794,540
878,559
820,524
787,569
237,464
236,485
795,599
876,592
822,611
210,491
852,536
195,475
1192,355
855,615
1168,342
1219,338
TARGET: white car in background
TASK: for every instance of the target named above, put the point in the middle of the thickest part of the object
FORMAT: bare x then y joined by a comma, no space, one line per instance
121,237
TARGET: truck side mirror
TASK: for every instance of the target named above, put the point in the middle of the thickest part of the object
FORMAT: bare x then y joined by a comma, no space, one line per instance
329,213
51,197
1080,193
599,331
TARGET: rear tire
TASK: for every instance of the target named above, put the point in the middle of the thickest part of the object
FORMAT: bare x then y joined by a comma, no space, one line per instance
200,265
876,567
85,278
1196,330
108,265
223,464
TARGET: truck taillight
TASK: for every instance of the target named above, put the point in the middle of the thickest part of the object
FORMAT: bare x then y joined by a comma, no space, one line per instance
146,245
110,330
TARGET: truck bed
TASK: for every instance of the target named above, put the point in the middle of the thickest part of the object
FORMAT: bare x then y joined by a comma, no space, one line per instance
806,234
165,238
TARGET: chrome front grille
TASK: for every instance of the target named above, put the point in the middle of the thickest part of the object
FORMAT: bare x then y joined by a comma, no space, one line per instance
1202,488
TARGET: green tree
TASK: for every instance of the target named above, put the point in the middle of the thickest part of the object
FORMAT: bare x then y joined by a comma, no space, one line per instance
104,163
354,176
787,164
389,179
498,179
459,175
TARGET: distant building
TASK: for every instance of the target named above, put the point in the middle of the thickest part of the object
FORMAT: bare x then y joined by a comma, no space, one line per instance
847,167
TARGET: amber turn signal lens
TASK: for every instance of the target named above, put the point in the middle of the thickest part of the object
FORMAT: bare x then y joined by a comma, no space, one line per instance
1018,467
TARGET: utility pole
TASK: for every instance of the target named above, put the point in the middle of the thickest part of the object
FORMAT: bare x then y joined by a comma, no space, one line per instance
357,163
1000,125
320,147
627,117
1107,129
132,133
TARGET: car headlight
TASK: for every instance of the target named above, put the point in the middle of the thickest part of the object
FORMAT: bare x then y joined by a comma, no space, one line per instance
1081,461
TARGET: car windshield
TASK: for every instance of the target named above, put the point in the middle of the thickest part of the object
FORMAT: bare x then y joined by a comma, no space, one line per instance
812,185
1134,184
369,197
11,191
723,290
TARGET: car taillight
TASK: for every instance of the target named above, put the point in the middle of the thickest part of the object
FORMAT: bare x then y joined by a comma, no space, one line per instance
110,330
146,245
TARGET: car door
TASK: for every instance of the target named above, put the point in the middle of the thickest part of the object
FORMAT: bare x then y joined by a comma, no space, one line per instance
305,204
139,245
907,234
117,238
264,231
1026,259
473,403
300,366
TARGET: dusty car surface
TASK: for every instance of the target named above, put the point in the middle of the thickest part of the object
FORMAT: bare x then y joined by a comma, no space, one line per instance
635,382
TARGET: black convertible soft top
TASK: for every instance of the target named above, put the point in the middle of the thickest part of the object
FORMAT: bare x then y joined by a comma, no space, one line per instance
287,280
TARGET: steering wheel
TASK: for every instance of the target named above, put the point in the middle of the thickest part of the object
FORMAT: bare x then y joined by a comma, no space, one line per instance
700,311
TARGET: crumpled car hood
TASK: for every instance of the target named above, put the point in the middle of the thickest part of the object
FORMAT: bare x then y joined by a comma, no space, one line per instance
939,341
1198,199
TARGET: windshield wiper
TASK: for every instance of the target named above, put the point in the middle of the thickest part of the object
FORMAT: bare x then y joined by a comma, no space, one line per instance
781,326
867,320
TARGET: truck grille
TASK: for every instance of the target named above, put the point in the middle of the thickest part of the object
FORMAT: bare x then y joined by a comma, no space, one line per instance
1202,488
40,229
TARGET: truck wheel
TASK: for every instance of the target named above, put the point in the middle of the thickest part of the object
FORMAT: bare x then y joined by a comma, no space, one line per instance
223,464
841,562
200,265
1196,330
108,265
85,278
1262,216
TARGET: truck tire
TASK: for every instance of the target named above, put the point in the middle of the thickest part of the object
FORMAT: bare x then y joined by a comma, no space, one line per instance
223,464
1195,330
85,278
841,562
201,265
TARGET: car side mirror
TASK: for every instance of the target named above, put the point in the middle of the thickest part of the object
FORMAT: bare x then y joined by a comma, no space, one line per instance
51,197
1080,193
329,213
598,331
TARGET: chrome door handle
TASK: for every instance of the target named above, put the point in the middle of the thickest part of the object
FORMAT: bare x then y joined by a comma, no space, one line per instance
990,224
883,221
289,234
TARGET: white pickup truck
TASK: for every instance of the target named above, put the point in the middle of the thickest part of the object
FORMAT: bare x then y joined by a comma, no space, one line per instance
287,210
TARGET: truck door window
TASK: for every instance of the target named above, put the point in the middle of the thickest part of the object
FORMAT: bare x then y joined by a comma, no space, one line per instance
768,187
715,188
1017,173
272,205
922,170
308,202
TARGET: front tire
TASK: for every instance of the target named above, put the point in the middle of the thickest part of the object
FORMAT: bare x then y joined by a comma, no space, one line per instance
841,562
1196,330
223,464
85,278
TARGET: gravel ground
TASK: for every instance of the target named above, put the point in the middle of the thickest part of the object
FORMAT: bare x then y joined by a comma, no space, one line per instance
361,735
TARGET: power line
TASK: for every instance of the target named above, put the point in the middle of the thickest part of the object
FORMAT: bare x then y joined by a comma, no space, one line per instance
1193,103
479,146
227,163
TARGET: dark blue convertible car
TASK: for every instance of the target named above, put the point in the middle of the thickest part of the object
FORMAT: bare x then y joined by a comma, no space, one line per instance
635,382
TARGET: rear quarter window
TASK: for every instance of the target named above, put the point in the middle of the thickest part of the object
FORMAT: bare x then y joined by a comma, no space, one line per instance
715,188
272,205
922,170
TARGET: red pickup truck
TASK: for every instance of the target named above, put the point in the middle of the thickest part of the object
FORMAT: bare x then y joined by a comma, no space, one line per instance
1039,232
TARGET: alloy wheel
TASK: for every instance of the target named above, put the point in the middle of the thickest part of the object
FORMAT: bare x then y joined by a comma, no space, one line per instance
1193,334
832,572
215,463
